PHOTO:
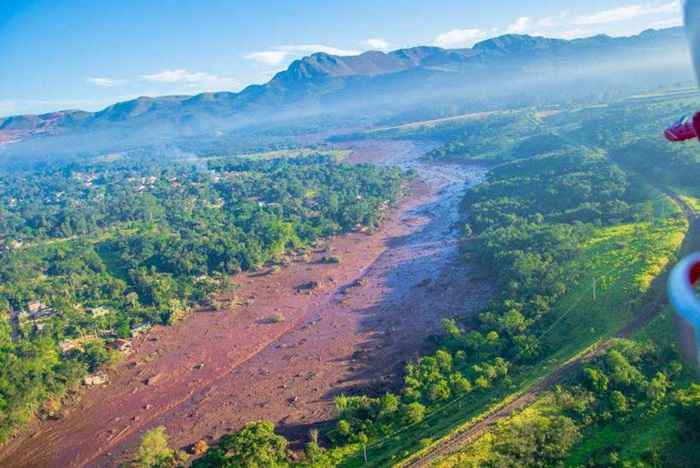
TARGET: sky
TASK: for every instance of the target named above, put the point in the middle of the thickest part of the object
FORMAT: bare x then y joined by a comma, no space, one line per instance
82,54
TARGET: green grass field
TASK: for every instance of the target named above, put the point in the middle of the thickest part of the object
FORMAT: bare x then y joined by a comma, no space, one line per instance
643,435
639,440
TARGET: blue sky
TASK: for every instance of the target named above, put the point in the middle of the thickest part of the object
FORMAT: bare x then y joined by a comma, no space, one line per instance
88,54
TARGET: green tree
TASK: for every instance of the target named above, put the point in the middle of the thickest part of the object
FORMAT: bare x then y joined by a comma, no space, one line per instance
688,409
658,388
255,446
154,451
413,413
618,402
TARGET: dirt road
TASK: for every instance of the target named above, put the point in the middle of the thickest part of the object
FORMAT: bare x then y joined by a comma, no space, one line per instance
218,370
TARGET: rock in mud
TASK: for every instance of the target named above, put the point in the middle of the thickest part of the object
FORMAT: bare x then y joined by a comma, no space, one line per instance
311,285
153,379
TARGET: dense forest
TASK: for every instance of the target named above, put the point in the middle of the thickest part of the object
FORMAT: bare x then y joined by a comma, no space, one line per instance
92,254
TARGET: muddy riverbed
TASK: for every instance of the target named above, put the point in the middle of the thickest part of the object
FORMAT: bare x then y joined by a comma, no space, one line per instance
352,333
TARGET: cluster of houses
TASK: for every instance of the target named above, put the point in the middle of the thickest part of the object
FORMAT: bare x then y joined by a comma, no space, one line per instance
37,314
87,178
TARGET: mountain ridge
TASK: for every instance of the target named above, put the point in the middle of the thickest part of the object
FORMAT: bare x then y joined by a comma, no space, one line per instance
321,80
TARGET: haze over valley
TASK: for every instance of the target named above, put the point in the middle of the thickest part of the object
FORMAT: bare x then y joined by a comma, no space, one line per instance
432,256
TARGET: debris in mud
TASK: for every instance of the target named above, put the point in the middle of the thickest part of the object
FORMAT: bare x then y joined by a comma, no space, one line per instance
200,447
309,286
275,318
95,379
198,366
329,260
425,283
153,379
359,283
122,345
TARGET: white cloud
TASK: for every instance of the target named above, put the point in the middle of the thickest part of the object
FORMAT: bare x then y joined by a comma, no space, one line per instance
632,18
277,55
199,81
104,82
268,57
667,23
39,106
529,25
7,108
377,44
520,25
575,33
627,12
313,48
458,38
178,75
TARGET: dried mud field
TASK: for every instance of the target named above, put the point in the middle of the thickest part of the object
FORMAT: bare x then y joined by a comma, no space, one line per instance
352,332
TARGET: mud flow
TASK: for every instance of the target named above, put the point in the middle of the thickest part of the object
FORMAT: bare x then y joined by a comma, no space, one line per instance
299,337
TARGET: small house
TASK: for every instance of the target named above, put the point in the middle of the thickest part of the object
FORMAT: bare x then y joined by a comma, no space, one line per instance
121,345
35,307
97,312
69,345
36,311
136,331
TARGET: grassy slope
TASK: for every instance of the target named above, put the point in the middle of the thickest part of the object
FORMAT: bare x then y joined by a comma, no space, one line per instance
641,435
625,259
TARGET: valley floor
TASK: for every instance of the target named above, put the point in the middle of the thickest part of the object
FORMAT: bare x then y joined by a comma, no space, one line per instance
215,371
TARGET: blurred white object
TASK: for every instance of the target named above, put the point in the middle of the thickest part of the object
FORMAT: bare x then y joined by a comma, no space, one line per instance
681,289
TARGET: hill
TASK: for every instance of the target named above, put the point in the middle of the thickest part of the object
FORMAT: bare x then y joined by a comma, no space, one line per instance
511,70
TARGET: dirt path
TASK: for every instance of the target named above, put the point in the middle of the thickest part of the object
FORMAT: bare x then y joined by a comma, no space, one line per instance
218,370
652,307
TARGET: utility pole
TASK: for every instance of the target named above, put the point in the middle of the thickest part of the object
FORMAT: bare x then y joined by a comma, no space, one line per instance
364,450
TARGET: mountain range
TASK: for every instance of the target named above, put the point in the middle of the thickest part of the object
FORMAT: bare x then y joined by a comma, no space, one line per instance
516,68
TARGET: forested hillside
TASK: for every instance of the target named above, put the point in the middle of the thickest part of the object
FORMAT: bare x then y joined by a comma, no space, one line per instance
635,405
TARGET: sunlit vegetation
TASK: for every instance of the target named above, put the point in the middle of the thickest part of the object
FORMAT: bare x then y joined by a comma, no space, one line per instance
633,406
575,240
638,422
93,254
574,223
155,451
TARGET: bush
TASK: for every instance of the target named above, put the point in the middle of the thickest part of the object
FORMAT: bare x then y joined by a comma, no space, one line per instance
154,451
414,413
